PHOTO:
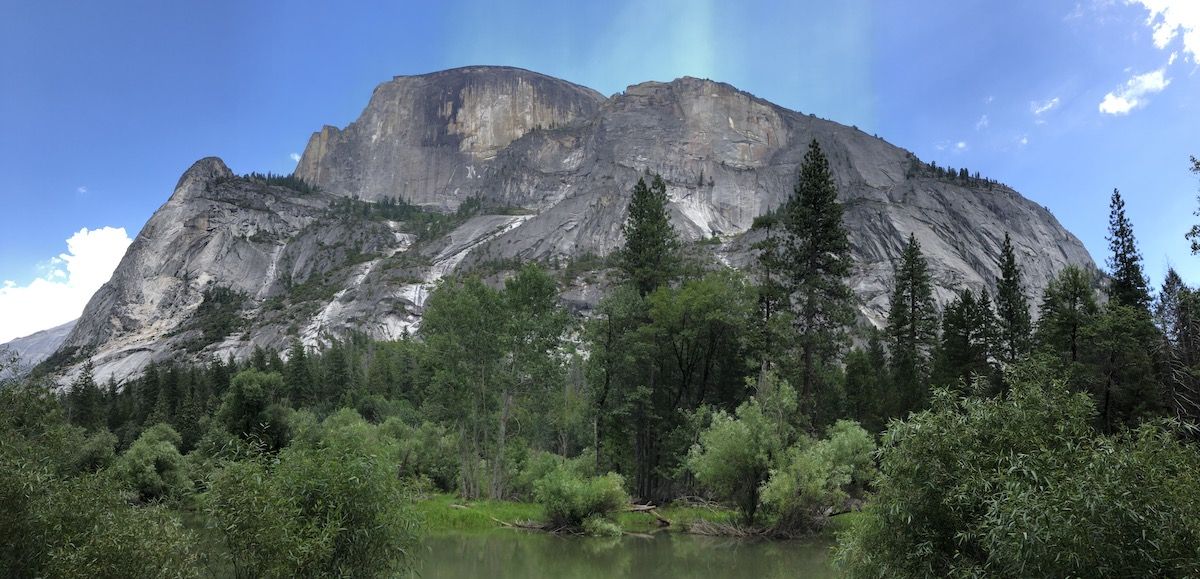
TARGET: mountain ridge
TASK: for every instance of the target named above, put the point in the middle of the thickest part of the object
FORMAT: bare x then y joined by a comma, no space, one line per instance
516,166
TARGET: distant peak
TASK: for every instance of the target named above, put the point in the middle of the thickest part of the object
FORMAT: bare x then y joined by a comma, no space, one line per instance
203,171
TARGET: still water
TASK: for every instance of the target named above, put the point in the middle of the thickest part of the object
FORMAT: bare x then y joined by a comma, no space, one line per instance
505,553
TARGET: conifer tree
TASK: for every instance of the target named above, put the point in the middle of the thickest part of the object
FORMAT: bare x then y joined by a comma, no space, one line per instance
299,375
649,256
912,328
1012,308
1067,311
85,399
816,262
1129,286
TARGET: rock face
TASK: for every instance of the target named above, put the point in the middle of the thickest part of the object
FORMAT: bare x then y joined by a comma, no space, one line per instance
552,164
37,346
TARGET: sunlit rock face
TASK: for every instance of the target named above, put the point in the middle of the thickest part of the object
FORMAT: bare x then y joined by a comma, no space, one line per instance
555,163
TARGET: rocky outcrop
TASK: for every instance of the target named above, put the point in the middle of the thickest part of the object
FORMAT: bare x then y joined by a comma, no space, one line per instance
552,164
35,347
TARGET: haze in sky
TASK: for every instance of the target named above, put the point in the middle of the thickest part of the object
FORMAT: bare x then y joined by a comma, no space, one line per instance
105,104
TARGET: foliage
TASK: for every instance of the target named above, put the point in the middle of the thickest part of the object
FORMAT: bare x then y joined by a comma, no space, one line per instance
651,244
816,266
153,468
737,452
1012,308
290,181
249,408
815,477
218,315
911,328
1128,286
1023,486
429,451
968,344
338,507
569,498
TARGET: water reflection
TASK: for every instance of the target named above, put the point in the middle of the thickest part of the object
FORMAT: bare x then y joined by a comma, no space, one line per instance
504,554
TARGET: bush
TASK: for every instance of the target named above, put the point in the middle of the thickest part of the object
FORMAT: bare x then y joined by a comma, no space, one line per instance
569,498
97,452
429,451
332,506
816,477
598,526
539,463
250,408
153,466
1024,486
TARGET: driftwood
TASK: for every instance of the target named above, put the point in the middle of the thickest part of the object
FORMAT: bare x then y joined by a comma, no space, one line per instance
530,525
652,511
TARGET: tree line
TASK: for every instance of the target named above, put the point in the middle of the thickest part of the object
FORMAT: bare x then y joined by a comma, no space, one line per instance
762,390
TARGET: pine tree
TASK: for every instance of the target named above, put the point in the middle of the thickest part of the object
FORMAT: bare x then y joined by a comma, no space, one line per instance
773,299
1067,311
1177,314
1193,235
649,256
968,340
912,328
86,402
1012,308
299,376
816,265
1129,286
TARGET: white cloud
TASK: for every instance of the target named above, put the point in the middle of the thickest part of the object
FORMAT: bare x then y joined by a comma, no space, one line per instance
1024,140
69,282
960,146
295,157
1133,93
982,123
1043,107
1172,19
81,189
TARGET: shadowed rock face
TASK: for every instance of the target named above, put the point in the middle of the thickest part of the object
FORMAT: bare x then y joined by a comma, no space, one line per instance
561,159
432,139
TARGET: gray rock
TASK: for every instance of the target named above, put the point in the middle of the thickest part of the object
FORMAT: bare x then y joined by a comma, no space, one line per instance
37,346
554,162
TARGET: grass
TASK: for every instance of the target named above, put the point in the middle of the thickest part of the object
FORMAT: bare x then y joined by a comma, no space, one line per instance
439,514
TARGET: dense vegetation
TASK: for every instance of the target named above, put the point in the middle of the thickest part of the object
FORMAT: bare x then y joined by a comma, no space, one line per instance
980,442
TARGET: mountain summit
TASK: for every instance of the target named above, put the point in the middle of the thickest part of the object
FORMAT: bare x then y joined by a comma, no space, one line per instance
480,168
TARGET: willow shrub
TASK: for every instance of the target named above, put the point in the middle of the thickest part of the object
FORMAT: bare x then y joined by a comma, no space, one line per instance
1023,486
331,505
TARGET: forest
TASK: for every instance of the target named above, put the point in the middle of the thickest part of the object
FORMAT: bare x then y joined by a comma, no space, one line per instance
966,439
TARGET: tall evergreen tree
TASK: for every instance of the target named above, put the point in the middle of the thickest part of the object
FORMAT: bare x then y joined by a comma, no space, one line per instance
772,316
968,340
299,376
1068,309
1129,286
816,265
1177,314
912,328
1012,308
85,401
650,254
867,383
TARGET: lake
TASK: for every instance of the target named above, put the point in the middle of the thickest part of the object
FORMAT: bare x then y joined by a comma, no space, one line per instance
506,553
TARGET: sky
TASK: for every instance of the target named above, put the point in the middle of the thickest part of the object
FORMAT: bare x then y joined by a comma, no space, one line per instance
104,105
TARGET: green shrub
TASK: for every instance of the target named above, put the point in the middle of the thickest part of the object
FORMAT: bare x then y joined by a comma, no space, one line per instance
338,507
1024,486
598,526
429,451
569,498
97,452
153,467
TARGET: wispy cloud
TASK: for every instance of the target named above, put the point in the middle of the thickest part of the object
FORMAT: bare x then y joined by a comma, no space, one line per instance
67,283
982,123
1024,140
1039,108
81,189
960,146
295,157
1132,95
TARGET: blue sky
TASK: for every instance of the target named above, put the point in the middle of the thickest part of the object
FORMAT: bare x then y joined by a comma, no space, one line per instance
103,105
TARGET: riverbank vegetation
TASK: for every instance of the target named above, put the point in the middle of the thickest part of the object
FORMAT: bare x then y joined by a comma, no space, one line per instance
695,398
